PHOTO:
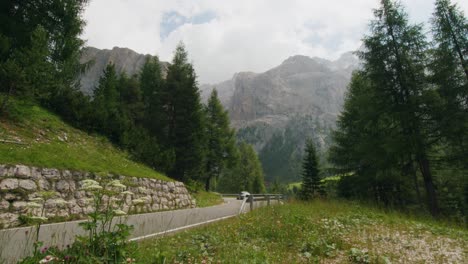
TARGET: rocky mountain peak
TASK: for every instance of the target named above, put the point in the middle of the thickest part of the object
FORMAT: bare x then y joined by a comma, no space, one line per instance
124,59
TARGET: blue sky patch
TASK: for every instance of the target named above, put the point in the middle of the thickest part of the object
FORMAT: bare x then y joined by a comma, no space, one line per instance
172,20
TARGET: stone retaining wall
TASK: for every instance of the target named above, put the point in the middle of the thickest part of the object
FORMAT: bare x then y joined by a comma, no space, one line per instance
20,184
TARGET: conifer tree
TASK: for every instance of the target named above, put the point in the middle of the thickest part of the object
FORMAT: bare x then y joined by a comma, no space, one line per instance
152,87
251,176
220,139
185,122
394,60
310,173
106,105
449,72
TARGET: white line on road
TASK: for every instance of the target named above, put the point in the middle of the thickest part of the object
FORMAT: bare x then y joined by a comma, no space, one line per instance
181,228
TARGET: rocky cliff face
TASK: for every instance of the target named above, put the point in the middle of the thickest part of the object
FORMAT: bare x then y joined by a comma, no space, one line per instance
125,60
278,109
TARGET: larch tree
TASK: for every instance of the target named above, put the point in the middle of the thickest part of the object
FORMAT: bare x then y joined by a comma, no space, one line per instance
394,60
449,73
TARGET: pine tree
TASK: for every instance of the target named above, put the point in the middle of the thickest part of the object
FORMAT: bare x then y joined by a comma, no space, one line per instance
219,137
184,118
310,173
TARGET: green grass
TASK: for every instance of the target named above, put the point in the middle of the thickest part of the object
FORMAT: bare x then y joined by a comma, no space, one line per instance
205,199
46,141
316,232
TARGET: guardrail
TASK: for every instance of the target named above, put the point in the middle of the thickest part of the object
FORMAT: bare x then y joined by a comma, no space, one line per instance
257,198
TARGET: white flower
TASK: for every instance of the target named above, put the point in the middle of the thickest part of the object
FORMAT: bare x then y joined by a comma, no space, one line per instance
116,184
33,205
47,259
89,182
119,212
127,192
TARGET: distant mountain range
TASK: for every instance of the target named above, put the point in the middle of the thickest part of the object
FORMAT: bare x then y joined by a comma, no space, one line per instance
279,109
276,111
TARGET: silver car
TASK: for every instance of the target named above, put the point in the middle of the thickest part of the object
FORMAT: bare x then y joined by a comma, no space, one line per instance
243,195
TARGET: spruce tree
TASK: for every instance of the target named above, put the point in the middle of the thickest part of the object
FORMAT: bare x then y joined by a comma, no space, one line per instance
220,139
153,93
106,105
310,173
185,122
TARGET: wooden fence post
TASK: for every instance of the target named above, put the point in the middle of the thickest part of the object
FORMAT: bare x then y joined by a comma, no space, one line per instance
268,200
251,199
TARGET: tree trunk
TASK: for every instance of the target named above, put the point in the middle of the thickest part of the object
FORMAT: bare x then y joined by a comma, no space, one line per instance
5,100
416,186
207,183
429,184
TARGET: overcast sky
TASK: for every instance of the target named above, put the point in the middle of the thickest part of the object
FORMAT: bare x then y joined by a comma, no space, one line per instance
228,36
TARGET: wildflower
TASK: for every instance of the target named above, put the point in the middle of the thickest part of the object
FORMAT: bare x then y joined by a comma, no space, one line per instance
119,212
116,184
90,185
33,205
44,250
130,260
127,193
47,259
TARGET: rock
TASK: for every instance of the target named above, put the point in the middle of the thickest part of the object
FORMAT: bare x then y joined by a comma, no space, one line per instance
28,185
66,174
11,197
75,210
52,174
43,185
62,186
9,220
36,173
9,184
19,206
22,171
2,170
4,205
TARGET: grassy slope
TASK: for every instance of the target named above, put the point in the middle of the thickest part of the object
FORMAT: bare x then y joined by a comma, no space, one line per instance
317,232
49,142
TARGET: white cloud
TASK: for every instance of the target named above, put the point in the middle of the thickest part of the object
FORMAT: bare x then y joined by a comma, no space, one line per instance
237,35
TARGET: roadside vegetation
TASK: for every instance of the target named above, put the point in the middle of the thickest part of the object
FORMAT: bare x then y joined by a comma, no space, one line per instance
313,232
205,199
